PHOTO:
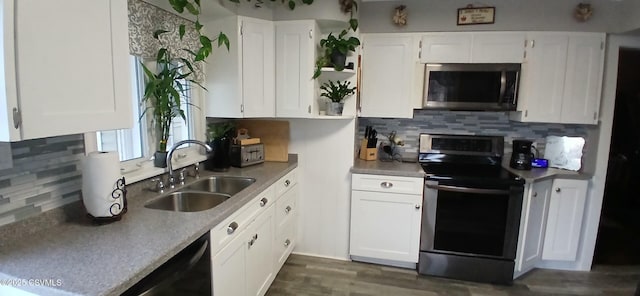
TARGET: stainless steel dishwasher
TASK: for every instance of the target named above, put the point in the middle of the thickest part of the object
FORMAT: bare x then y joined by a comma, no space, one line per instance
186,273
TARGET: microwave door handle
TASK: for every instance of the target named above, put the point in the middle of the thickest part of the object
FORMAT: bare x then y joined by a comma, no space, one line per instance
467,189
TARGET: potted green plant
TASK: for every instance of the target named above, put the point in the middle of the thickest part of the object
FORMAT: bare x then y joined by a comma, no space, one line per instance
219,135
336,93
335,50
166,85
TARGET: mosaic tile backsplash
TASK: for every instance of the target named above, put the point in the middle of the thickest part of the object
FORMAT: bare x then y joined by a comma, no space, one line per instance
465,123
45,175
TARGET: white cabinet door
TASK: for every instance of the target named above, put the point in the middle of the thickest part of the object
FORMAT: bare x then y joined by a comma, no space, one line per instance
72,69
258,68
388,63
498,47
446,48
228,267
260,264
241,81
561,78
583,81
532,231
543,73
564,223
295,60
385,225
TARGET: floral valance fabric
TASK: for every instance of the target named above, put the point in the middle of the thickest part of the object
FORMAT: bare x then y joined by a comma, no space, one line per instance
145,18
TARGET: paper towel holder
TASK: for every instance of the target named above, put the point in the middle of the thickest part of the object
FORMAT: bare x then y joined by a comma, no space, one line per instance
117,209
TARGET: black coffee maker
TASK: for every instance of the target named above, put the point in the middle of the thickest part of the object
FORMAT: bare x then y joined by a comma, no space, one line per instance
521,156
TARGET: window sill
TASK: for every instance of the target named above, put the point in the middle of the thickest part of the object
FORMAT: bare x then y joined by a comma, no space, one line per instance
148,170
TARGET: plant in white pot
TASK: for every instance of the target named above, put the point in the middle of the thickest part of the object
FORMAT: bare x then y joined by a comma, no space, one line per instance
336,92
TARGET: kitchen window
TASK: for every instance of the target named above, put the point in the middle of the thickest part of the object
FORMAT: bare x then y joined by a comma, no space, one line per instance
136,145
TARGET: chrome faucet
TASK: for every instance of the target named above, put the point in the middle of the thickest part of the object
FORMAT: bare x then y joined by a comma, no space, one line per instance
172,180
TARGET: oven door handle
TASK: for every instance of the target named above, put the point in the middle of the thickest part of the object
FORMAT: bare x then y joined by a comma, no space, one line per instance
467,189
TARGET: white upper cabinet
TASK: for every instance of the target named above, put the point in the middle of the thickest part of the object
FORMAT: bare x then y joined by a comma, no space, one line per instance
564,222
65,75
480,47
583,81
241,81
561,78
446,48
388,75
295,60
498,47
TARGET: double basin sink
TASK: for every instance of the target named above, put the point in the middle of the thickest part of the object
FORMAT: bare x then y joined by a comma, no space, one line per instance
202,195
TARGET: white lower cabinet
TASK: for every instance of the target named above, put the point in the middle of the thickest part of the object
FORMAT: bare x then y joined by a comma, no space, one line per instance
564,223
532,226
385,219
249,248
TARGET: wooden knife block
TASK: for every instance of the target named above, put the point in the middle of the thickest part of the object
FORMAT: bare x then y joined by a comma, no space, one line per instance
367,153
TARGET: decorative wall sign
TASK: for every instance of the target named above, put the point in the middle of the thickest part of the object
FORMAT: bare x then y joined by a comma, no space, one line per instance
476,15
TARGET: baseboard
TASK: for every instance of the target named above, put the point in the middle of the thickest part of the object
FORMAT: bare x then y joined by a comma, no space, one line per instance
401,264
320,256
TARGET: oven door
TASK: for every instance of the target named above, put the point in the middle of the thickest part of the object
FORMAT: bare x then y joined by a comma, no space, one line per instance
477,221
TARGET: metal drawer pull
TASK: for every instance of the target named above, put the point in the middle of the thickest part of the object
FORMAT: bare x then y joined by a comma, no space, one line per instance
287,243
287,209
253,240
232,227
467,189
418,207
287,183
263,201
558,189
535,194
386,184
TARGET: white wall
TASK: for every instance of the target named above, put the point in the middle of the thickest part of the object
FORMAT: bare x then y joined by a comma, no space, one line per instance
511,15
325,157
630,16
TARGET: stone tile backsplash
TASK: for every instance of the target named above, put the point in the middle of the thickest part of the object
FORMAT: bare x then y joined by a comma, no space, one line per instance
45,175
466,123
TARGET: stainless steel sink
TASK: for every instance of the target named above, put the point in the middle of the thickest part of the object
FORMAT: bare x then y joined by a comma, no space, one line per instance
221,184
187,201
202,195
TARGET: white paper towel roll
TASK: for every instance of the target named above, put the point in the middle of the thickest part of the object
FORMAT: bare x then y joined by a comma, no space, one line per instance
100,175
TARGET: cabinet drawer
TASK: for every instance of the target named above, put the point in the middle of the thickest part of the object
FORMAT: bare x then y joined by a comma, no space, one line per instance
286,206
285,241
224,232
392,184
286,182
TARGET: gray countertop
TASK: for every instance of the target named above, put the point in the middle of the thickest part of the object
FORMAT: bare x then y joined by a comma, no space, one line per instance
412,169
108,259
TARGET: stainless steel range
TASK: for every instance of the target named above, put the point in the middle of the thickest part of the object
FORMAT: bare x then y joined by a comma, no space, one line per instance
471,210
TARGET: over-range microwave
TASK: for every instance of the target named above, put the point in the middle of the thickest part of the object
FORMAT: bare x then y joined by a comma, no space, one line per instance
484,87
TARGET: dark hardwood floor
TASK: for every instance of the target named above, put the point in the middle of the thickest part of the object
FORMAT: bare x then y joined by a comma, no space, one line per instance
310,276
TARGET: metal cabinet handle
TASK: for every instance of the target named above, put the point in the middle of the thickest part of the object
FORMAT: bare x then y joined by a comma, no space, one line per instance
418,207
558,189
287,209
263,201
535,194
386,184
232,227
287,183
287,243
253,240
